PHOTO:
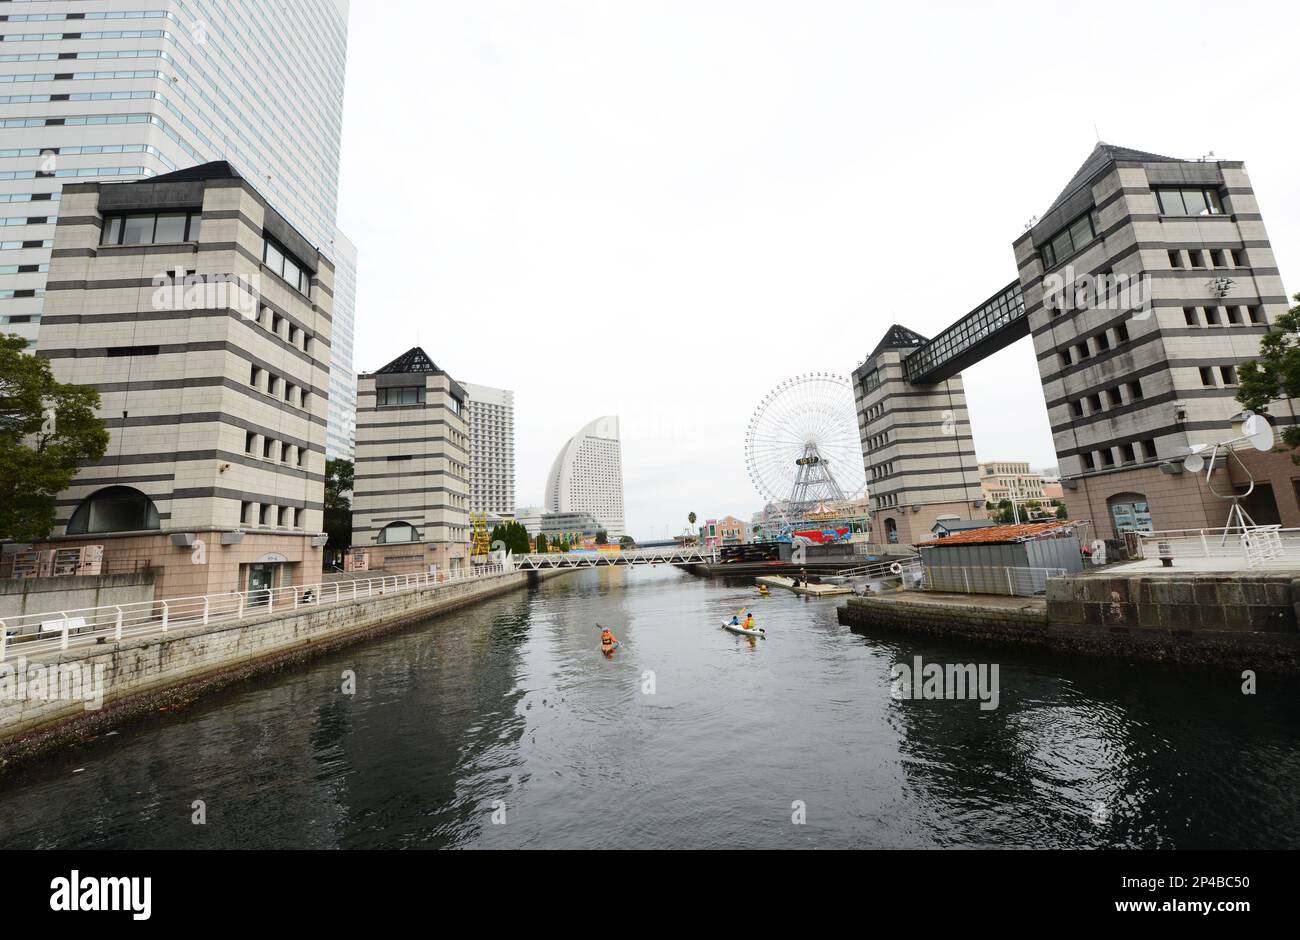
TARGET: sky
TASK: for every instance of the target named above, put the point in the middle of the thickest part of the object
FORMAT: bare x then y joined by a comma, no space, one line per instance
662,210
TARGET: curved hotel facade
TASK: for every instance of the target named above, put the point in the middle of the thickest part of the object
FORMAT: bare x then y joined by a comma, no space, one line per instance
587,476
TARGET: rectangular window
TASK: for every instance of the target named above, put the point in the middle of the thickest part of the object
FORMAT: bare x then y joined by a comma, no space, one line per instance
283,521
1135,391
1217,258
1189,202
1175,259
1212,316
286,451
1076,408
1089,463
1239,259
1207,375
272,385
1228,374
1114,397
285,265
1094,404
149,228
1234,314
1195,258
1102,342
1065,358
245,512
255,377
1149,449
1189,314
1107,457
268,448
1121,334
250,442
1127,454
1257,316
264,514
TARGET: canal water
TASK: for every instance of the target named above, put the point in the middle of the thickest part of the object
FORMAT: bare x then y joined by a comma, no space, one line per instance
503,725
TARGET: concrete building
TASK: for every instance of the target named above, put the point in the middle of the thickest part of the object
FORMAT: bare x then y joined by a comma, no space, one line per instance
121,91
530,517
1145,286
916,444
410,501
203,319
587,476
491,423
1010,479
1132,382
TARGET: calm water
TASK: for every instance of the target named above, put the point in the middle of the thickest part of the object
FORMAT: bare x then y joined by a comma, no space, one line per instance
511,701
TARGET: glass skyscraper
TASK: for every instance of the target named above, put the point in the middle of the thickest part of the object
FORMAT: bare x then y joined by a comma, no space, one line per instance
129,89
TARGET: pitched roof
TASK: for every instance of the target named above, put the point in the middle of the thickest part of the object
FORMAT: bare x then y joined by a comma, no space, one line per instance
216,170
1005,534
899,337
415,360
1102,156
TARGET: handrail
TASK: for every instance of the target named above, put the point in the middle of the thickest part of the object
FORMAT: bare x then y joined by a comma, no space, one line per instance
115,622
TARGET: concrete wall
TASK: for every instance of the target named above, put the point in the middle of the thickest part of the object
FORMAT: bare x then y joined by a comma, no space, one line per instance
41,595
137,672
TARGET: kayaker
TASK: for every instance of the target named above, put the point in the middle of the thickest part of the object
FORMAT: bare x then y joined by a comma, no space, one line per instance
749,622
607,637
735,620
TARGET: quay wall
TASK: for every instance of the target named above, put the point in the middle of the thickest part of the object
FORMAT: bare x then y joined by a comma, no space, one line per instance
165,671
1234,621
22,596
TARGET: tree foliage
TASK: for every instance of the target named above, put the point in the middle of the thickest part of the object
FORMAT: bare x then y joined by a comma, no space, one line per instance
1275,375
339,477
602,537
541,543
510,536
47,430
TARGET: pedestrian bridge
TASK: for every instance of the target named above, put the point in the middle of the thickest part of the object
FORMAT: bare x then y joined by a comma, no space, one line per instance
693,555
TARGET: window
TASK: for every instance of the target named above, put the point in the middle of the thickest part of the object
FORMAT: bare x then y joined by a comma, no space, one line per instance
1089,463
114,509
255,377
268,448
1072,239
286,266
1135,391
288,392
1257,316
1212,316
1189,202
1107,457
1102,342
152,228
1076,408
1196,258
1234,314
1217,258
1239,259
1121,334
250,442
401,395
397,532
286,518
1094,403
286,451
1207,375
117,351
264,514
272,385
1066,358
1228,374
1189,314
1082,350
1127,454
1175,259
1114,397
245,512
1149,449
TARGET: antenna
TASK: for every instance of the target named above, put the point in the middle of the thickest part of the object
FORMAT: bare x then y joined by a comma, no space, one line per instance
1257,432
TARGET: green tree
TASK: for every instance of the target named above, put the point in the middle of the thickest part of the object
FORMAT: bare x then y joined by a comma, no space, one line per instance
602,537
627,542
339,480
1275,375
47,430
541,543
691,517
1062,512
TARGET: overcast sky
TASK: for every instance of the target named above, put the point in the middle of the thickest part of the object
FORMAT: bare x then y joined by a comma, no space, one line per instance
662,209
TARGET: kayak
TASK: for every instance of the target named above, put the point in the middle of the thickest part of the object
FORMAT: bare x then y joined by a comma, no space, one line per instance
734,628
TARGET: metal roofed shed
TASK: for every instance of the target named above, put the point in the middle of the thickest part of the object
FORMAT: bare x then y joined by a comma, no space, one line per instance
1005,559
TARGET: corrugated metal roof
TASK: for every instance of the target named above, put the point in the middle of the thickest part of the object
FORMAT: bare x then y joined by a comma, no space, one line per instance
1002,534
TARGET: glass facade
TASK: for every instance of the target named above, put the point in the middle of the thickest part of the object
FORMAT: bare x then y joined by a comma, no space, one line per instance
995,315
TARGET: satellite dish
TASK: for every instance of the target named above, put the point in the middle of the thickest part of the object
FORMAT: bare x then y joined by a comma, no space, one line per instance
1194,464
1259,432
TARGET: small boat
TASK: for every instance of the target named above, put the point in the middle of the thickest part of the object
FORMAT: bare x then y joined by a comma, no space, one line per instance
736,628
763,591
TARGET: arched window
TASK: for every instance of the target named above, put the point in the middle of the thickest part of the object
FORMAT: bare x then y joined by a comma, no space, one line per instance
396,533
891,531
1130,512
114,509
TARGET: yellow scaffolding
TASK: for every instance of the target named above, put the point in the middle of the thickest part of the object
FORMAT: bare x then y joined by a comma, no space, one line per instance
480,539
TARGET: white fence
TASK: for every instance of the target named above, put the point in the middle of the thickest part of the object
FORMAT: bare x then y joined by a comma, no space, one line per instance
37,633
1267,546
1015,582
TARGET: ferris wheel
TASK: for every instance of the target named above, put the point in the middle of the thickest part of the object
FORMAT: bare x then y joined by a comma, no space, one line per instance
802,448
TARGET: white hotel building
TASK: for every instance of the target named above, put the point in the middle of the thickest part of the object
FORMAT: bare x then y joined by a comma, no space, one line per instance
490,417
117,90
587,476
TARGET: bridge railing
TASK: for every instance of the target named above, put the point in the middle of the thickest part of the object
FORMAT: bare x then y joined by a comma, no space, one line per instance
693,555
58,630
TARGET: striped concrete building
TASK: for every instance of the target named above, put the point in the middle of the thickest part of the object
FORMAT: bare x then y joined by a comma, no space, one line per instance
916,444
203,319
410,501
1132,381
